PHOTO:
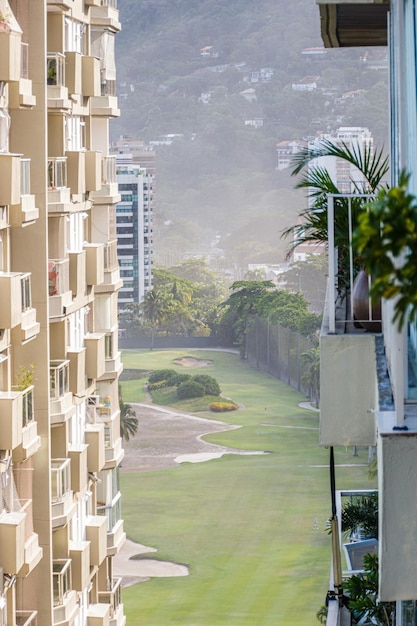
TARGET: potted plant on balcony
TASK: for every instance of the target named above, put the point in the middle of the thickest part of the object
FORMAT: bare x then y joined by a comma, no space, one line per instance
386,239
4,22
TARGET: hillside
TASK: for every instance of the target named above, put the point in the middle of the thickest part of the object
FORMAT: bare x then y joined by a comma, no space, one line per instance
185,68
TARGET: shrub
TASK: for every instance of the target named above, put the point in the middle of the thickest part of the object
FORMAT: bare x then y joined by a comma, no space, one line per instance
190,389
222,407
177,379
157,375
210,384
160,384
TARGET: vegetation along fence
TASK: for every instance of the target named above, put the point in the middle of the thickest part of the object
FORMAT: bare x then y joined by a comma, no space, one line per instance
277,350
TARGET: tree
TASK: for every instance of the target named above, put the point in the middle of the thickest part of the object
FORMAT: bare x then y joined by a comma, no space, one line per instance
129,423
319,184
311,376
155,308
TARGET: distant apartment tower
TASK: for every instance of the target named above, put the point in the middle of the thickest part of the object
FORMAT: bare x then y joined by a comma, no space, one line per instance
134,228
343,174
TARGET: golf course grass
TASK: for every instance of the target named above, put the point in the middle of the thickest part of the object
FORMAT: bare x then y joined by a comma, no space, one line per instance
251,529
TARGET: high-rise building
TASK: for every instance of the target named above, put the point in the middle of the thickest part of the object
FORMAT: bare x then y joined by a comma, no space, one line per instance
60,444
134,228
368,380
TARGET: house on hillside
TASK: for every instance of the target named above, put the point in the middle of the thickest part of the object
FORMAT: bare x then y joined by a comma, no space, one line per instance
286,151
308,83
249,94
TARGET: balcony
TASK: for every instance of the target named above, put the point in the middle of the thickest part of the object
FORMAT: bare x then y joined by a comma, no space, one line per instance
11,299
10,419
95,359
347,347
20,93
77,273
29,326
76,171
112,281
79,468
60,397
26,618
113,596
60,295
80,564
73,72
10,55
113,441
30,439
63,506
115,532
106,16
25,212
12,541
10,171
77,379
94,437
57,90
32,550
114,365
65,599
98,615
93,170
96,534
109,191
106,106
95,263
90,76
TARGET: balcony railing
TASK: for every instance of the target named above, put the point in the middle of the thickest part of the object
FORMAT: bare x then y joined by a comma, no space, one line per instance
55,69
110,256
343,210
108,345
60,478
27,406
24,177
24,60
57,172
108,88
59,379
61,573
26,292
26,618
113,513
108,170
113,596
109,3
58,275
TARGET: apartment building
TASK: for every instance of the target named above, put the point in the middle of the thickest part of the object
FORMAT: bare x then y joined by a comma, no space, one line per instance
345,175
368,383
60,444
134,228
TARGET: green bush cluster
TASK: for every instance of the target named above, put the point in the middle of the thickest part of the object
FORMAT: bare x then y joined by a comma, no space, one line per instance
187,386
222,407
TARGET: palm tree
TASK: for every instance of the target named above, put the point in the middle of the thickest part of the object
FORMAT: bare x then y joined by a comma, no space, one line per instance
155,307
317,180
129,423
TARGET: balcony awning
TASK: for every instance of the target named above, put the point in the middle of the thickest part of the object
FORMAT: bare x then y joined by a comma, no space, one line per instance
353,24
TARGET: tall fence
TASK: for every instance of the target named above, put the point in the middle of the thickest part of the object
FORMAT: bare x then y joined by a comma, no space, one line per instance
277,350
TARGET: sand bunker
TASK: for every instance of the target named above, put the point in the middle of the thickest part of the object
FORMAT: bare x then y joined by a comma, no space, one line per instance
190,361
134,570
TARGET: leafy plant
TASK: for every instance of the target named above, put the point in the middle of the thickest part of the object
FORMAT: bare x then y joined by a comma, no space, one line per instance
24,377
129,423
210,384
362,590
361,513
386,238
222,407
190,389
163,374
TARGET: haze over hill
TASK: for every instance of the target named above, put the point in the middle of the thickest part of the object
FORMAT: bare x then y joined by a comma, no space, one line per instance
185,68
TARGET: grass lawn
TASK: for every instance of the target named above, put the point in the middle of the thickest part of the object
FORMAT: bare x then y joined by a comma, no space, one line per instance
244,525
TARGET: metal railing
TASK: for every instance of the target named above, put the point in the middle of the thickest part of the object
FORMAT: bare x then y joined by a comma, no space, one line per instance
26,291
108,88
57,172
109,3
343,209
113,512
59,379
110,256
26,618
24,60
113,596
61,576
60,478
24,177
27,406
108,345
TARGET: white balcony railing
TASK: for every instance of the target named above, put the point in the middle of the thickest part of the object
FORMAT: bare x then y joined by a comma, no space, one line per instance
24,60
61,573
59,379
109,3
110,256
344,262
57,172
113,512
113,596
108,345
108,170
25,287
27,406
26,618
24,177
60,478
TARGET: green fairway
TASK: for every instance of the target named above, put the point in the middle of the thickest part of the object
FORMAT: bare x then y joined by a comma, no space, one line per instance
244,525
